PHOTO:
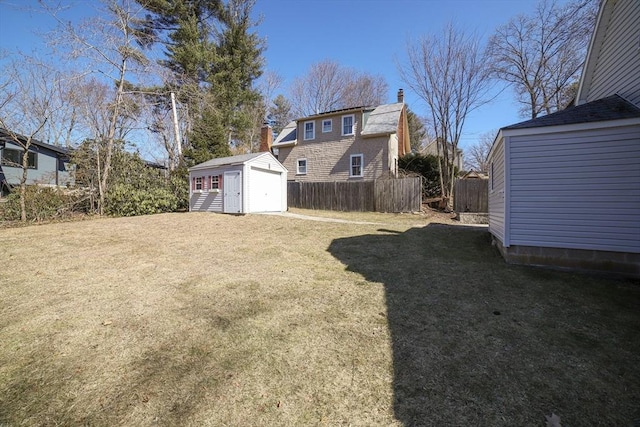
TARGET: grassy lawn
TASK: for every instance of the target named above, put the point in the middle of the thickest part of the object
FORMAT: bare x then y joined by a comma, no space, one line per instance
202,319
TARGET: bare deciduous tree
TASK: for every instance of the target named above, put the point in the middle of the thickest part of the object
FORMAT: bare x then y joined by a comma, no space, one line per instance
328,86
448,72
542,53
476,154
110,47
30,97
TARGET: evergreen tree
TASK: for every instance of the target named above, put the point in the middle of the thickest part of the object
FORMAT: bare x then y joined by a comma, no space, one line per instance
280,113
214,59
417,131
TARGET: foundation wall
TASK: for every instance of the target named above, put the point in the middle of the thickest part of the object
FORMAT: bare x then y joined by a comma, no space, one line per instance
617,263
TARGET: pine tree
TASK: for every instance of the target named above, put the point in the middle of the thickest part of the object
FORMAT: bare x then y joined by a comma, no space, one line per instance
214,58
280,113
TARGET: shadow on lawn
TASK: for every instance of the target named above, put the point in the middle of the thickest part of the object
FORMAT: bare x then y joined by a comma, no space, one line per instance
478,342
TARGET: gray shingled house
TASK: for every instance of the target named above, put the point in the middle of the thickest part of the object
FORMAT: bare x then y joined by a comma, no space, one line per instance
345,145
564,189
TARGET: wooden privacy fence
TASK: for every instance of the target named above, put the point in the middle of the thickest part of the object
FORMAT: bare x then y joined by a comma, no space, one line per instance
381,195
471,195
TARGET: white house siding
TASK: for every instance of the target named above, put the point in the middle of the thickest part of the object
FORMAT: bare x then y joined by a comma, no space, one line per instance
617,69
577,190
496,192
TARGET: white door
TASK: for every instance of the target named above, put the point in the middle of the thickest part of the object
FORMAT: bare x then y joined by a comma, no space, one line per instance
265,191
232,188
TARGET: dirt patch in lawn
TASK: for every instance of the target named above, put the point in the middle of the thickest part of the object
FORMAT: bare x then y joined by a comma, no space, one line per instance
204,319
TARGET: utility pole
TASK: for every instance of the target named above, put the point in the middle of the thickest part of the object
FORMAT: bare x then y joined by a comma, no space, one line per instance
176,128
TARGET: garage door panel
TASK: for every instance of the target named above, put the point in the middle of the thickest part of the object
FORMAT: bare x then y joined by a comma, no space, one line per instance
265,191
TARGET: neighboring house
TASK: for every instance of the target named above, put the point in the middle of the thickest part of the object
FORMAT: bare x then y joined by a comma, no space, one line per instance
564,189
432,149
473,174
350,144
48,164
246,183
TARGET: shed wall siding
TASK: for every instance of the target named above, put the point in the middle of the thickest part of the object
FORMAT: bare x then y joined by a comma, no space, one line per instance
497,193
578,190
208,201
617,69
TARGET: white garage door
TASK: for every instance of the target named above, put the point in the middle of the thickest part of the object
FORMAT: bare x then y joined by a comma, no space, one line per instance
265,191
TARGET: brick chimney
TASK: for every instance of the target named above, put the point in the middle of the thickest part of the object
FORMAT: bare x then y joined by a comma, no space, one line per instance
400,95
266,138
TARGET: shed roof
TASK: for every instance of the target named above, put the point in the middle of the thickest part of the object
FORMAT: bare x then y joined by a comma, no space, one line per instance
612,107
232,160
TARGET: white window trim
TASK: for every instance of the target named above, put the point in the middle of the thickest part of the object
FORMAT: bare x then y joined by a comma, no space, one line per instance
353,124
306,167
196,189
361,166
313,130
330,125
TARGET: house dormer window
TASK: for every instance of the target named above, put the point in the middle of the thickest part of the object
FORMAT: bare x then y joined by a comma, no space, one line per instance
347,124
309,130
326,125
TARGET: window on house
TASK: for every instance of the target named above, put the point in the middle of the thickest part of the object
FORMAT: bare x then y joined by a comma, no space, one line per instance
347,125
302,167
326,125
309,130
215,183
357,161
11,157
198,183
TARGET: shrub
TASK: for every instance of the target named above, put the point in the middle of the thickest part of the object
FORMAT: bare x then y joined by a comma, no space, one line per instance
42,203
127,200
428,167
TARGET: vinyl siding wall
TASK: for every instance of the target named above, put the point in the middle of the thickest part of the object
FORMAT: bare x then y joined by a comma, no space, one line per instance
577,190
617,69
496,192
205,200
328,154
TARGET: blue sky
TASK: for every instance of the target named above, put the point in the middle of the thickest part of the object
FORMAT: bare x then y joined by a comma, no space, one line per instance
367,35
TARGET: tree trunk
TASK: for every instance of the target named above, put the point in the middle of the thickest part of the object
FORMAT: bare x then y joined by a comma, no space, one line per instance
102,186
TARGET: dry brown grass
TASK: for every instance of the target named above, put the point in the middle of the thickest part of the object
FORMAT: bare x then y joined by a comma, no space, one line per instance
204,319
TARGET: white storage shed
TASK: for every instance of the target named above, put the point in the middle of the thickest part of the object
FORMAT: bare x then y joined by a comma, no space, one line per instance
247,183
